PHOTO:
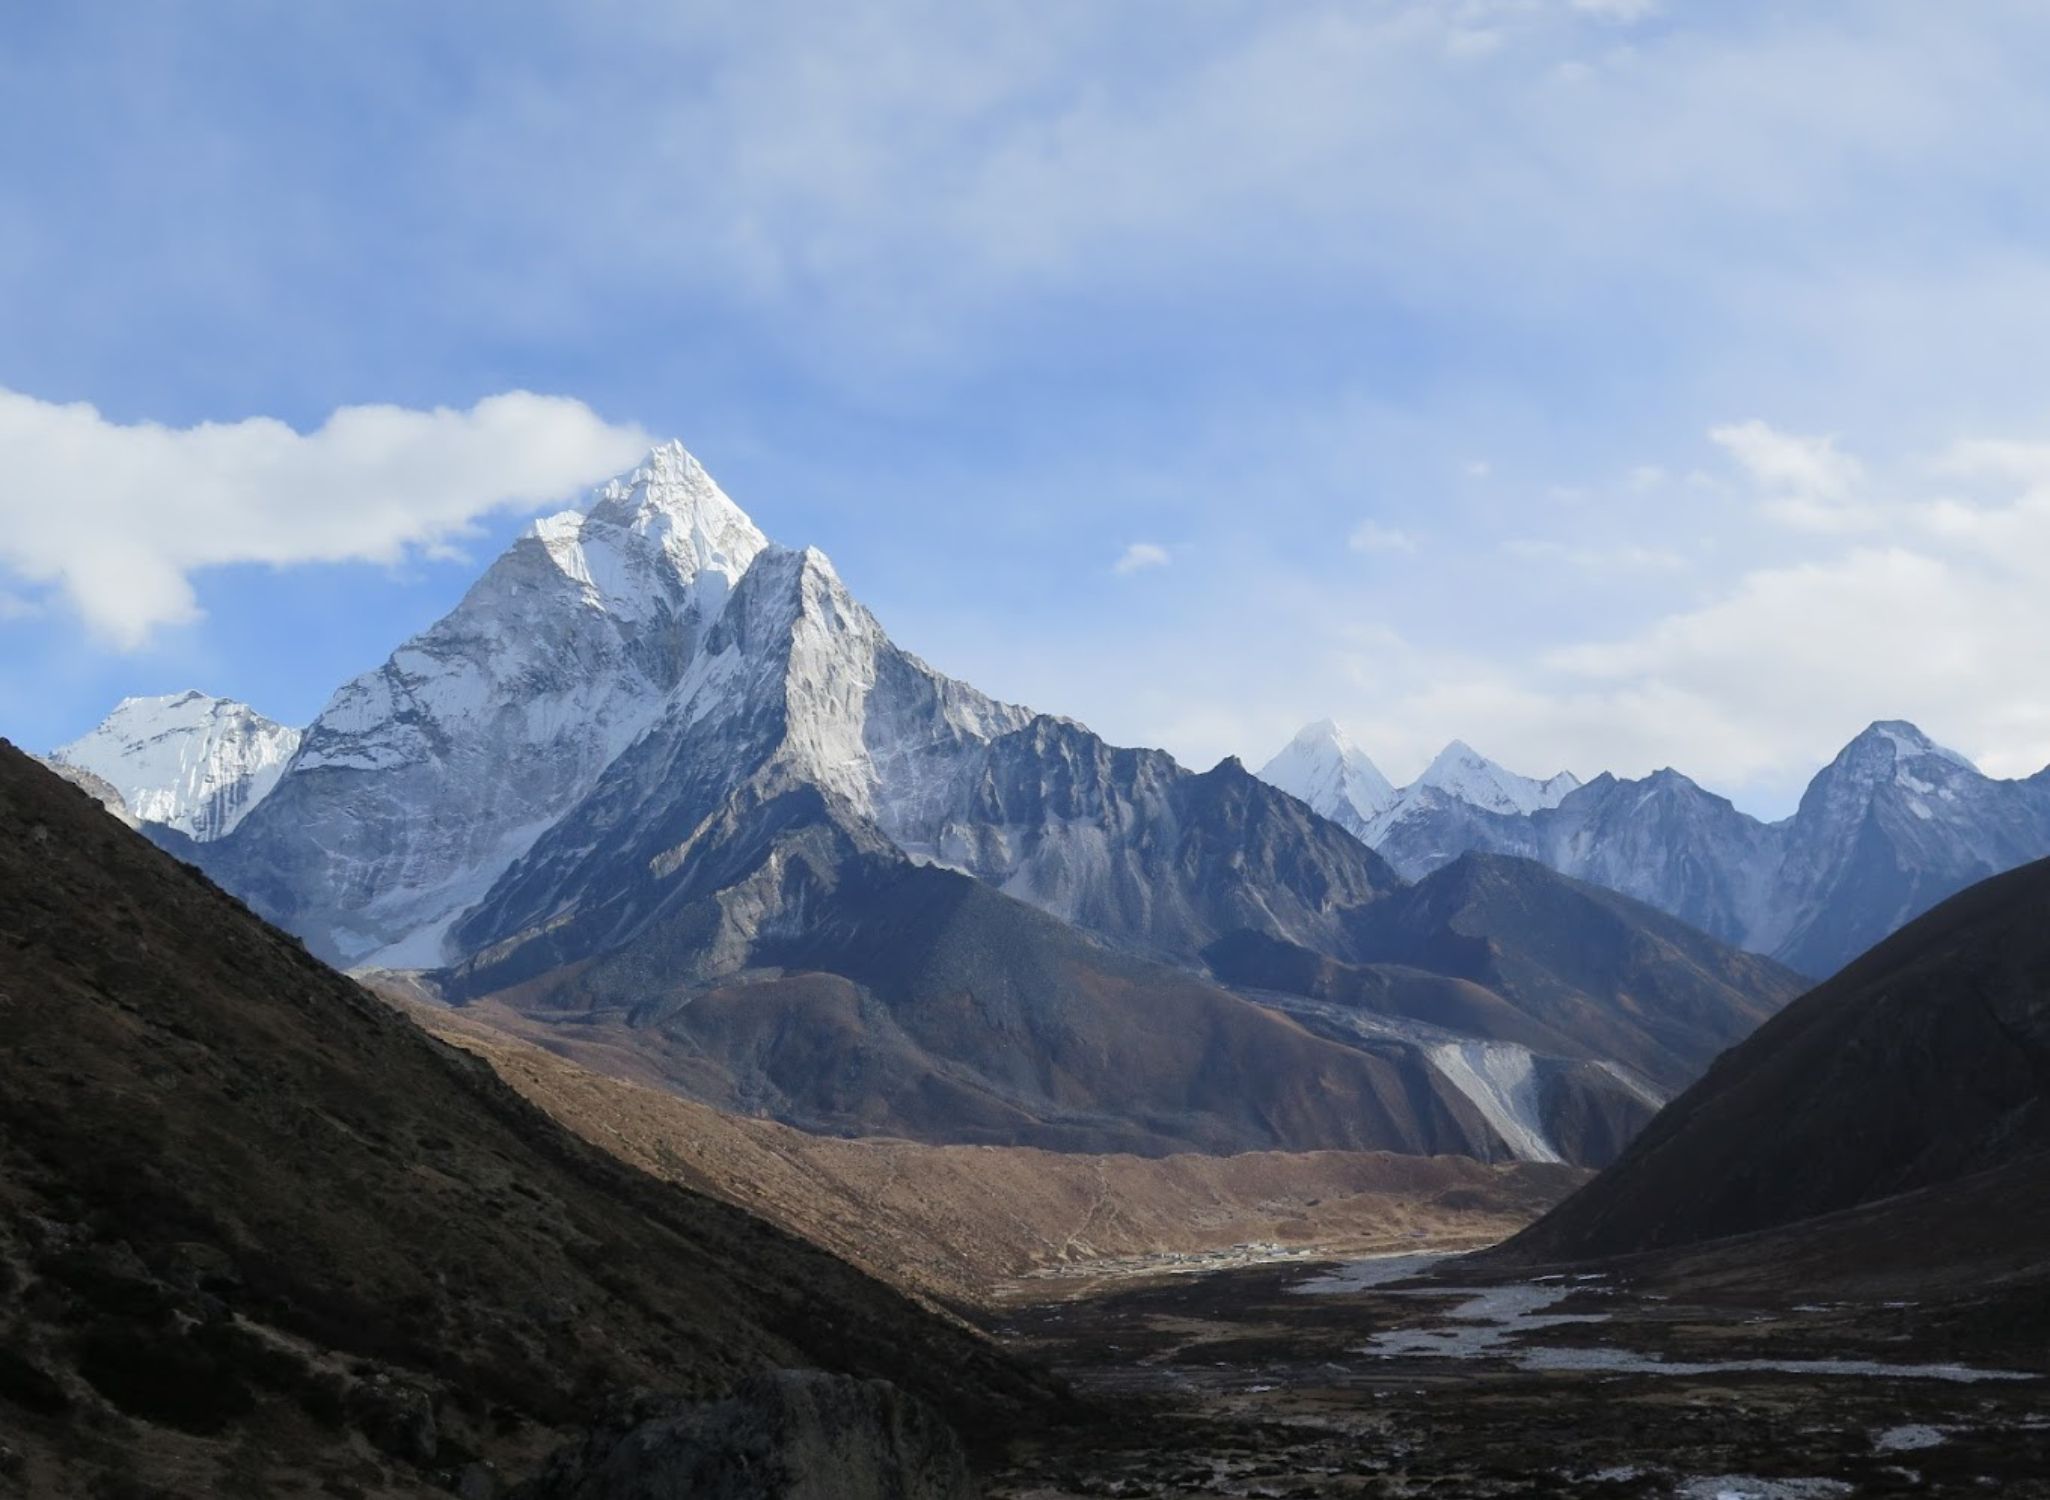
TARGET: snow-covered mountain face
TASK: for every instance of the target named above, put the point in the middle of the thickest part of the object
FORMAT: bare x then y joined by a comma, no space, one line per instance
423,780
645,700
186,760
1463,773
1892,826
1324,768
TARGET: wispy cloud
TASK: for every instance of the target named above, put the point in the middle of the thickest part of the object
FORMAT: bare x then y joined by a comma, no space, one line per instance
1140,556
1373,536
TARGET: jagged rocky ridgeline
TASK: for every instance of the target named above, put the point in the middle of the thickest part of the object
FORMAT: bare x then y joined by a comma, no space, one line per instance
488,728
661,776
1889,828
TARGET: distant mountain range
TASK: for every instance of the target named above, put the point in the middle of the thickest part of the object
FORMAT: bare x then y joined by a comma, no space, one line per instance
659,779
1889,828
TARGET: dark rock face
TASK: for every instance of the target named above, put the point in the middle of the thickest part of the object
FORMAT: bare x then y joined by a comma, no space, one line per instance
872,995
1623,981
787,1435
1924,1064
1128,844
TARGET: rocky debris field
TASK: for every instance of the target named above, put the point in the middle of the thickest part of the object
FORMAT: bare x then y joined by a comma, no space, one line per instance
1396,1377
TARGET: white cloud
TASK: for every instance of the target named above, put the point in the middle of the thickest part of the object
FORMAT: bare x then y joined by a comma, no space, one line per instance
1372,536
1786,463
1808,482
120,516
1942,615
1140,556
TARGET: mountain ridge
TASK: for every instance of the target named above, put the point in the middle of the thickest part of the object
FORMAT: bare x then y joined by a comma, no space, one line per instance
1895,823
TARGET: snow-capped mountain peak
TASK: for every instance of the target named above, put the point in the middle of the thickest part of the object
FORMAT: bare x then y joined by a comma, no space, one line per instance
1463,773
1904,743
1322,767
189,760
642,534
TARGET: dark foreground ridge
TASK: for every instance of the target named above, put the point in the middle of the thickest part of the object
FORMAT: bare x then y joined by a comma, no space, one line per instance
1923,1068
261,1234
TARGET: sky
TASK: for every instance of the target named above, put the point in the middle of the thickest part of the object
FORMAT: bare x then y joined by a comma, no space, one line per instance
1611,384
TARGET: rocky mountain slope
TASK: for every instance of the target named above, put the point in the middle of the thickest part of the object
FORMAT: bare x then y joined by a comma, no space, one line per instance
98,788
916,1001
261,1234
1629,984
188,761
981,1224
631,672
660,775
799,965
1893,825
1923,1065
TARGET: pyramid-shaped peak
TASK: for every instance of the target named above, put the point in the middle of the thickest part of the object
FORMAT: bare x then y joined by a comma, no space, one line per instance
1323,767
663,523
669,482
1322,732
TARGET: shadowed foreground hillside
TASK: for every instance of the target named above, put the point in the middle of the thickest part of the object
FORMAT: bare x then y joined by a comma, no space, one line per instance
1909,1098
263,1236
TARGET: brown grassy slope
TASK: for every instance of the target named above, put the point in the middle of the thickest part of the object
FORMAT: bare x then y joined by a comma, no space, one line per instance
256,1229
961,1222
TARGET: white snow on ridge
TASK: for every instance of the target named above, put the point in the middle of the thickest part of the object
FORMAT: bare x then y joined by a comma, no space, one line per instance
1909,743
1501,1080
188,760
1461,771
1323,768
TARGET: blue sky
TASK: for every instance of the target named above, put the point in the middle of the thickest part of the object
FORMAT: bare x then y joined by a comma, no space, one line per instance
1609,383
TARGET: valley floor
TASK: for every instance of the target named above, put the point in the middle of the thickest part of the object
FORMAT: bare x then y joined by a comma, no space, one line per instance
1396,1377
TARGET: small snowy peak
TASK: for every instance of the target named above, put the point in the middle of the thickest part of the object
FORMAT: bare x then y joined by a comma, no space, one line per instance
1463,773
1322,767
189,760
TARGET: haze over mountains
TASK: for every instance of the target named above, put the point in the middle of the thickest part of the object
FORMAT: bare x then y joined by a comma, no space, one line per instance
1888,829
